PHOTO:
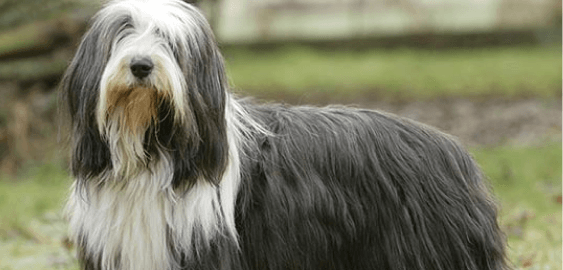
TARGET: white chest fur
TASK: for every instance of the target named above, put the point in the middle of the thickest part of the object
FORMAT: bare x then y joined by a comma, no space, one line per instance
132,224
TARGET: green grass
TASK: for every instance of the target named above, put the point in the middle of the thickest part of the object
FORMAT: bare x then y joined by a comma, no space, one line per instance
398,73
32,230
526,180
37,191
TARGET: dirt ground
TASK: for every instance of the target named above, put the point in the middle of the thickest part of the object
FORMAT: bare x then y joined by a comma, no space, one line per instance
487,122
28,128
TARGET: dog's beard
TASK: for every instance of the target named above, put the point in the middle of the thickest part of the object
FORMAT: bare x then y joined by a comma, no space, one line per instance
133,108
130,111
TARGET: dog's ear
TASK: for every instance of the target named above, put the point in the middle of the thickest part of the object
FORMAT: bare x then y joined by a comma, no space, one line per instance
81,81
212,86
80,89
204,71
80,84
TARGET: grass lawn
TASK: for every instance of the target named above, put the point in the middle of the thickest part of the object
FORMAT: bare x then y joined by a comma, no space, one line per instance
32,230
527,182
300,73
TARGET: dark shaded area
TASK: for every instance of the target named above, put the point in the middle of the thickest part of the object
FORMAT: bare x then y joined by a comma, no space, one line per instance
434,41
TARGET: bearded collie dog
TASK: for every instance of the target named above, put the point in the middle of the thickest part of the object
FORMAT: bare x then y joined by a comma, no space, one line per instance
172,171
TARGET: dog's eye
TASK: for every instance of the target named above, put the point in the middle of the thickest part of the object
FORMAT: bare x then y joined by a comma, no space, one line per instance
161,34
121,37
124,31
158,33
165,39
126,27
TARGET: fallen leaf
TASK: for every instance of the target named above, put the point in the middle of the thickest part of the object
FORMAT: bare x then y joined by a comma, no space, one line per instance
528,260
558,199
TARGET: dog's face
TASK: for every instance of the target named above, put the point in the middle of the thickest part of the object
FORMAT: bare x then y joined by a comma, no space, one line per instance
145,64
147,77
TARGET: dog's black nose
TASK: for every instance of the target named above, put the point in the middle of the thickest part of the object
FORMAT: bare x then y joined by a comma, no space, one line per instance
141,67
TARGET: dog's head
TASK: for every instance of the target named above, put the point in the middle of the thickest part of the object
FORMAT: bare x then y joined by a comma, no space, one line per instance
147,78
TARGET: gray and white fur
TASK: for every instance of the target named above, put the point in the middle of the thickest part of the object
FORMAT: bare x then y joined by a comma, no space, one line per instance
173,172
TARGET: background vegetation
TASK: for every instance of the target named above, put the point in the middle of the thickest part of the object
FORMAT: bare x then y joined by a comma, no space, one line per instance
526,179
399,73
511,93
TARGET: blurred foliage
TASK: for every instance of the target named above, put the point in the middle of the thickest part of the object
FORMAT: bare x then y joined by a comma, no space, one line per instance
14,13
509,72
33,69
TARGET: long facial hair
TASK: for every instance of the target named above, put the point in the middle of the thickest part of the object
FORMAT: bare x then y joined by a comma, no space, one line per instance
121,124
